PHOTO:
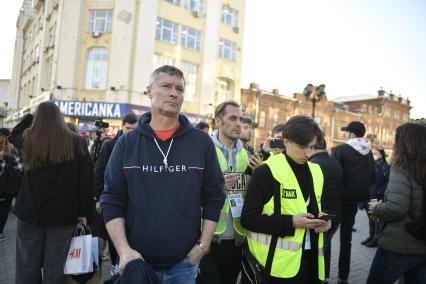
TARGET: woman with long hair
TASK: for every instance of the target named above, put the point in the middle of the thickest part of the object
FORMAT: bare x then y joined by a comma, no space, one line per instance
376,191
55,195
10,177
402,242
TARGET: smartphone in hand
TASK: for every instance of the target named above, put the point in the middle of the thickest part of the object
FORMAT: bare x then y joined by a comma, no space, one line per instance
277,143
327,217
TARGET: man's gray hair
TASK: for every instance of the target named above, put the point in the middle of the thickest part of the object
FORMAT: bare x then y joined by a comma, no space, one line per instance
168,69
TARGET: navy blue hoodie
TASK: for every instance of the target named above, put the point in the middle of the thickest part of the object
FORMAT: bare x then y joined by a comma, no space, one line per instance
162,207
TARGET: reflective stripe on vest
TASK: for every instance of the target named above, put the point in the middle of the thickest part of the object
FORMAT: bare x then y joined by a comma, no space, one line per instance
288,253
241,166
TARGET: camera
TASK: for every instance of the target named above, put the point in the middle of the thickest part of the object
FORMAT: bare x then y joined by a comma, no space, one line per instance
101,124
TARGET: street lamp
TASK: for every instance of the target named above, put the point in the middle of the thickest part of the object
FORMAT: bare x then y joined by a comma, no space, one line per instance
315,94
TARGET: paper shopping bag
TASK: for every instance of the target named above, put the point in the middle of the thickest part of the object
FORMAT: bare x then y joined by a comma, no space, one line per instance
80,256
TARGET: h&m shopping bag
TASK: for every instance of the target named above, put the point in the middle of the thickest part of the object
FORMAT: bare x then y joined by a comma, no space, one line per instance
80,255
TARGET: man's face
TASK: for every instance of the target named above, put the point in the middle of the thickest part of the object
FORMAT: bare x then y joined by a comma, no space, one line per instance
230,124
127,127
166,94
246,132
299,153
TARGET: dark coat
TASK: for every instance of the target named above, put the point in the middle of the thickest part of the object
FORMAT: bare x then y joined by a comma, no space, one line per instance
358,172
333,183
57,195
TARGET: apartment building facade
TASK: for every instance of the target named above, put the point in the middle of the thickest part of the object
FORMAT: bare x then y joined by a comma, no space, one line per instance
94,57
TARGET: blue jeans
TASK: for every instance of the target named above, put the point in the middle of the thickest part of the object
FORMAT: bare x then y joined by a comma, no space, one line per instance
182,273
387,267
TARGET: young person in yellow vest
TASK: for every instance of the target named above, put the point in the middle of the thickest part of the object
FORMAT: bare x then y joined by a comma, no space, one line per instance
296,227
223,264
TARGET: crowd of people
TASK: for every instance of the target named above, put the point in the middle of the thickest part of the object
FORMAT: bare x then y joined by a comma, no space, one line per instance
178,203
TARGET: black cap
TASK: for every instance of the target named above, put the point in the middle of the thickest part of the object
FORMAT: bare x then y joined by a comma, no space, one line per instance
4,131
356,128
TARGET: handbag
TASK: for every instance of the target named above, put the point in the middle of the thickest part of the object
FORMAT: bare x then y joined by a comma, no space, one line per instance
252,270
80,256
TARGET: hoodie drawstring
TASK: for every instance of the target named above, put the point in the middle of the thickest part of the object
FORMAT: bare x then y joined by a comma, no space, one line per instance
162,153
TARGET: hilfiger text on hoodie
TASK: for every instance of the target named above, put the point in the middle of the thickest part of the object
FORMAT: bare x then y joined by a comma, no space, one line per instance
161,169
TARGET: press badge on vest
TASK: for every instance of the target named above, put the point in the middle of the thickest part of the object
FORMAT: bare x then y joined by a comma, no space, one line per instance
241,184
289,193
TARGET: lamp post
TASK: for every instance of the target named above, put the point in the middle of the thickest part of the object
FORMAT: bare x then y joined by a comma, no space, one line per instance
256,116
315,94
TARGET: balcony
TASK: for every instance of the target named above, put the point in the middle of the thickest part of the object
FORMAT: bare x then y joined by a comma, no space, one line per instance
37,4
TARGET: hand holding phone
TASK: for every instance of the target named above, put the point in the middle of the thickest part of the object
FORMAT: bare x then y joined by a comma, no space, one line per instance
277,144
327,217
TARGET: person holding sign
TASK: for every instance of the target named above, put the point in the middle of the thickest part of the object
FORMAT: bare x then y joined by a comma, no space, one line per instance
294,231
223,264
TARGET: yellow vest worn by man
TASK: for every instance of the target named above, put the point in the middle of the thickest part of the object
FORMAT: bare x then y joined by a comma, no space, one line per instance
288,252
241,164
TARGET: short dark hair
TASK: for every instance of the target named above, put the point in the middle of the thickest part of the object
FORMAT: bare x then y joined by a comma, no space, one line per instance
277,129
220,109
321,142
130,118
301,130
201,125
247,120
168,69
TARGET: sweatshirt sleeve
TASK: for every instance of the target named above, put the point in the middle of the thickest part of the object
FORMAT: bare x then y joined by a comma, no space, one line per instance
212,195
114,197
259,192
397,198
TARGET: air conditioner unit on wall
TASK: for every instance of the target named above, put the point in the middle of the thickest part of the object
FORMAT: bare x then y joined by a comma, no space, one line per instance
96,34
236,29
197,14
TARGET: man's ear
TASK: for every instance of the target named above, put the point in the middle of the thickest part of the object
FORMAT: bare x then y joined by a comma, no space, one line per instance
286,141
148,91
217,122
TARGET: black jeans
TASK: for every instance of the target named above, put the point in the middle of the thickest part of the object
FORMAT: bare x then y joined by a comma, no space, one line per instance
221,265
328,236
387,267
349,210
5,204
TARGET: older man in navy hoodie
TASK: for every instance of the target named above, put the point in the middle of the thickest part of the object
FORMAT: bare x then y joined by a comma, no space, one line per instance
161,180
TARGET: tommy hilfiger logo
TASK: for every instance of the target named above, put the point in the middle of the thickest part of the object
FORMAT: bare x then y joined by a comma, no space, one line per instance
161,169
289,193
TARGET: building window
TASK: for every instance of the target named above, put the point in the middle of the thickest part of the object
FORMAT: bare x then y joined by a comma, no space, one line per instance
262,119
397,115
100,21
405,117
227,49
275,119
175,2
195,5
160,60
191,38
223,91
96,68
191,71
166,30
229,16
386,113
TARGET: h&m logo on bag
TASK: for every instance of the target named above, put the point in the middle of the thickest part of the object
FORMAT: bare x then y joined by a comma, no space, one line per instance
289,193
74,253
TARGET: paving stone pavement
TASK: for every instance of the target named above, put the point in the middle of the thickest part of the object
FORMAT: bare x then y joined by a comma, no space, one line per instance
360,261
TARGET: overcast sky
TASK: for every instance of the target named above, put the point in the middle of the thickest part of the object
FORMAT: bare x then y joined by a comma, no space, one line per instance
353,47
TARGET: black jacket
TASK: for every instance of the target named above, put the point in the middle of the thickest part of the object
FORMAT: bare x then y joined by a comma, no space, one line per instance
333,184
101,164
57,195
358,172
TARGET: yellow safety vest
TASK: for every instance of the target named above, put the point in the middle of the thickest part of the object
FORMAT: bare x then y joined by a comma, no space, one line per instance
288,252
242,162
